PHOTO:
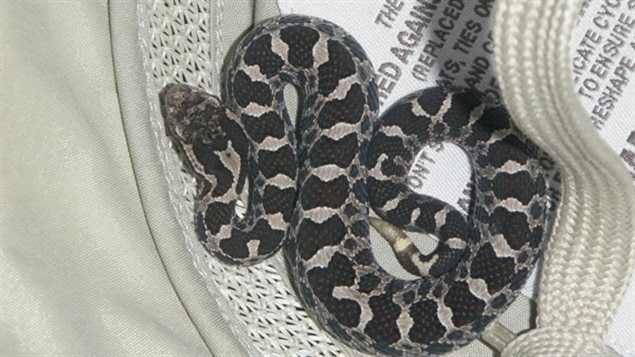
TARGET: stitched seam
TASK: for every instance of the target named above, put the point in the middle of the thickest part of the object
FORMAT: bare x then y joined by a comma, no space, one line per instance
219,53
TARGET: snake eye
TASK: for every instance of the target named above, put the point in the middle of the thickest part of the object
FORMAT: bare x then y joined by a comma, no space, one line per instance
208,135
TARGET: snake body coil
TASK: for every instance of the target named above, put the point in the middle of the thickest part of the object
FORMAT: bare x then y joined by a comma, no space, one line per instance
318,190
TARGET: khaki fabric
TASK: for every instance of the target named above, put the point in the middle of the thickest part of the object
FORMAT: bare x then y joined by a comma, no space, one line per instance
81,273
92,261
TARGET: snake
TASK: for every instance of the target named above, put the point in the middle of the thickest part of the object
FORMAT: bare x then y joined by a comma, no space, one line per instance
312,183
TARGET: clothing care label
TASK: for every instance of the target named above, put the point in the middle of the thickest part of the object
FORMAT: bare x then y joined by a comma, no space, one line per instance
604,72
415,44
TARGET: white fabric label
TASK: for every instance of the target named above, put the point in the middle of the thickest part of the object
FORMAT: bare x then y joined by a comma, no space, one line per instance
415,44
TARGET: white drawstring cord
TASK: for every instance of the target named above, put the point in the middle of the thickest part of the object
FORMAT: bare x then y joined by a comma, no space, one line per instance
590,257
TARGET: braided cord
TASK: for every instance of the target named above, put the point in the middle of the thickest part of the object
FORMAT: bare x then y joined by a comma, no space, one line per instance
588,263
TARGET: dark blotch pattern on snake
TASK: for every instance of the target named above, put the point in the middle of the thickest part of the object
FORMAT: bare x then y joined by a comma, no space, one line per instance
315,184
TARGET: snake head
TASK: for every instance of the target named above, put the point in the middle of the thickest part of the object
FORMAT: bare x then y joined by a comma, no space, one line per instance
192,116
206,134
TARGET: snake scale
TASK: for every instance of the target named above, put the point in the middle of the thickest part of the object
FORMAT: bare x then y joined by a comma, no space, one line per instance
311,186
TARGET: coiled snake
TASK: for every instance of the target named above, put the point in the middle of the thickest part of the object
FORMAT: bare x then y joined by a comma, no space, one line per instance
311,187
